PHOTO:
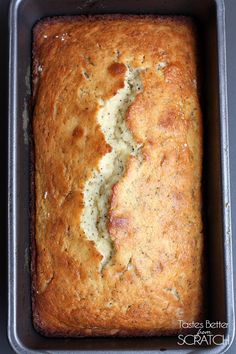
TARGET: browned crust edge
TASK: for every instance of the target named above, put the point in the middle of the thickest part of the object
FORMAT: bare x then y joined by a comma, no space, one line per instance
111,17
50,333
38,325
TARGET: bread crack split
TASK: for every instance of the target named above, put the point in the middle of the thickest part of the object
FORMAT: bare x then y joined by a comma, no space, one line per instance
112,166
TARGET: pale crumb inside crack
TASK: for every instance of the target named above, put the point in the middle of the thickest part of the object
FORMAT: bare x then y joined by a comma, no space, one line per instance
112,166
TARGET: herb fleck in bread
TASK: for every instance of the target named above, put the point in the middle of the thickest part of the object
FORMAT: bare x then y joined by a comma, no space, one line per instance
118,243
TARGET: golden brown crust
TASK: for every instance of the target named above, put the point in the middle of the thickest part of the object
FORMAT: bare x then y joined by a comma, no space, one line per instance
155,218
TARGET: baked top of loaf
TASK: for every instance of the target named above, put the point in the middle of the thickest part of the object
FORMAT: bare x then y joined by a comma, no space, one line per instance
118,236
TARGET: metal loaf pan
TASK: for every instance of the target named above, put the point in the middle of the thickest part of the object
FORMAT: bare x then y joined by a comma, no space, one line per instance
209,15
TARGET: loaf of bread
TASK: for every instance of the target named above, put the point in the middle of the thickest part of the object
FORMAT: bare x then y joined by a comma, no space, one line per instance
117,246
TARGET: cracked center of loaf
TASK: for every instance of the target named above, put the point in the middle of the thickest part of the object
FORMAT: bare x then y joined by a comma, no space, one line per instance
98,188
